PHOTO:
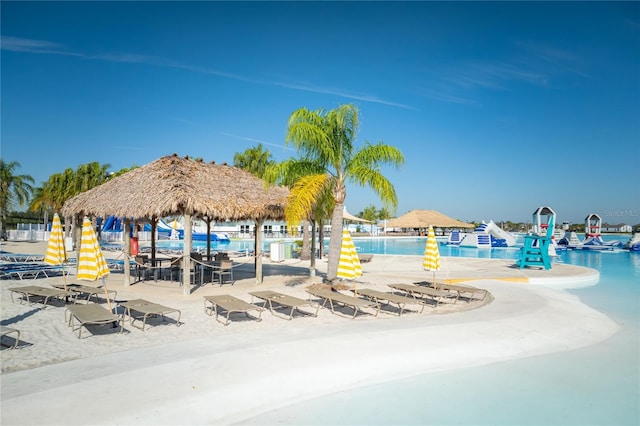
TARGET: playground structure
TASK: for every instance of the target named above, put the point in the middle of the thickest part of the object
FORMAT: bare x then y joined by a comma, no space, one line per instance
486,235
175,231
592,236
538,247
634,242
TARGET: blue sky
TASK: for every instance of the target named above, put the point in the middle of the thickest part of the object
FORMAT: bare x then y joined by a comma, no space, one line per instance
499,108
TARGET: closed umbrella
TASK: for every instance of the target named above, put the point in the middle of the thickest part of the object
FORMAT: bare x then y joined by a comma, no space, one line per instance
431,260
56,253
91,262
349,264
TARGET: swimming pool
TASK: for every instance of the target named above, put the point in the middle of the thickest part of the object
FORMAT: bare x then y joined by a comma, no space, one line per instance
597,385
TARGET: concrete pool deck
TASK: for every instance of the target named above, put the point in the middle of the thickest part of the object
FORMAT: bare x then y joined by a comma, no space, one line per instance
205,373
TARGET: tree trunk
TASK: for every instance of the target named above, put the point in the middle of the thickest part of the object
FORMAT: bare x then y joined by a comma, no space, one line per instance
258,251
312,264
304,253
321,238
335,241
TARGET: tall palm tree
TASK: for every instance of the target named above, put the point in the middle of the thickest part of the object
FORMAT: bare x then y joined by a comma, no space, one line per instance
90,175
15,190
287,173
326,138
40,203
254,160
370,213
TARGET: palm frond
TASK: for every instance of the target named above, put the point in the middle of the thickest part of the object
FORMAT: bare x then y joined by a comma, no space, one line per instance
303,197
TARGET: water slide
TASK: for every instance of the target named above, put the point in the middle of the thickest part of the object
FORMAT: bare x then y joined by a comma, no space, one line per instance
488,235
500,233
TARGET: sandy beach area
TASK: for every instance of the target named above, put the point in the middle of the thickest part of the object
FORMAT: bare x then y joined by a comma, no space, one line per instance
204,372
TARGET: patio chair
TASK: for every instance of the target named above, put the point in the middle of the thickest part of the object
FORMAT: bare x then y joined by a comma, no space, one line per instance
284,300
223,269
382,296
229,304
147,309
334,297
175,267
5,331
142,266
91,314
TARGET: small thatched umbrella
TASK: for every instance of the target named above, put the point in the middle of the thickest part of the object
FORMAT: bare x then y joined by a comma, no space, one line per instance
182,186
424,218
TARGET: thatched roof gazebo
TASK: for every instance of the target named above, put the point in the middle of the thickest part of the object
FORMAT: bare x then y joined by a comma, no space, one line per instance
423,218
172,185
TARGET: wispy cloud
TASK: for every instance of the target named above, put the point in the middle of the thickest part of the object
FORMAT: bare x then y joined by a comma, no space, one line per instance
44,47
497,75
17,44
341,93
552,59
445,96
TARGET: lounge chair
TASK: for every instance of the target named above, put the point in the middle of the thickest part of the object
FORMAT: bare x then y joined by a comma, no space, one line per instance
284,300
147,309
30,271
20,257
365,257
462,289
229,304
5,331
436,295
88,291
91,314
334,297
32,291
382,296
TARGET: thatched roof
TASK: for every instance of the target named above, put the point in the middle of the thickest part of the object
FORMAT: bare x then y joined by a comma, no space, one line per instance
173,185
424,218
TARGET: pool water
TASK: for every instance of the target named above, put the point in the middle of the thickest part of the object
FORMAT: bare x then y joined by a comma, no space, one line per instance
597,385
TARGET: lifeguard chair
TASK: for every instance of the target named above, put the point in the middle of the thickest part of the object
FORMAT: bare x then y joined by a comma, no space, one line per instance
592,226
536,245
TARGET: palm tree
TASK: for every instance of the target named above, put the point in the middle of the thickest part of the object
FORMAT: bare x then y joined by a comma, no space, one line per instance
287,173
326,139
370,213
15,190
90,175
384,214
254,160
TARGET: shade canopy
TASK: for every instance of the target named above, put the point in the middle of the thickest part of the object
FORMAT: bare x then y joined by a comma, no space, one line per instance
348,216
349,263
431,258
173,185
426,218
91,262
56,254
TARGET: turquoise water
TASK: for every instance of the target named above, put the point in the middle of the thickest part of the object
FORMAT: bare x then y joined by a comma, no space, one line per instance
394,246
597,385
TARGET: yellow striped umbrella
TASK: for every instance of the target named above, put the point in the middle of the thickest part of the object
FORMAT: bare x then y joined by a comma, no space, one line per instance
431,260
56,253
349,264
91,262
